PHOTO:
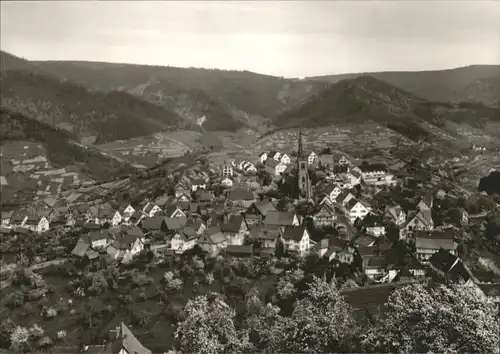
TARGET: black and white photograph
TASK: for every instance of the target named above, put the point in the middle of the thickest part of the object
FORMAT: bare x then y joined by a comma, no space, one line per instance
226,177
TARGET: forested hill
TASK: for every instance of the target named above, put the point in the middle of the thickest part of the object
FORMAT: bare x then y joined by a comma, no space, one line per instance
61,150
106,116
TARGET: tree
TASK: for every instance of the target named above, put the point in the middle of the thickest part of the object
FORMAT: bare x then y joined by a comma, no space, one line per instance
444,319
321,322
208,327
19,339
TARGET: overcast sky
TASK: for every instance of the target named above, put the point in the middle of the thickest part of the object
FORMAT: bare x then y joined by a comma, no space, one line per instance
292,39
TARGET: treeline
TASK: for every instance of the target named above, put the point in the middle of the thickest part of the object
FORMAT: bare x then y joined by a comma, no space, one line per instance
61,151
109,116
310,315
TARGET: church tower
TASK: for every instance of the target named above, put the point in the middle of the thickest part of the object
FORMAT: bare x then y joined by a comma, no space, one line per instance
303,180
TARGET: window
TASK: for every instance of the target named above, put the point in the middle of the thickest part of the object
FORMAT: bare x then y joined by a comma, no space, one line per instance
302,165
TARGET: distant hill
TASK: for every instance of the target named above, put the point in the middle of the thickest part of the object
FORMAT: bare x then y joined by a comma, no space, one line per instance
106,116
191,92
437,85
365,98
61,149
11,62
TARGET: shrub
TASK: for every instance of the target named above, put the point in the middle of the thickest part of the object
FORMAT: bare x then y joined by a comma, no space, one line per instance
175,284
209,278
16,299
61,335
44,342
19,338
36,332
50,312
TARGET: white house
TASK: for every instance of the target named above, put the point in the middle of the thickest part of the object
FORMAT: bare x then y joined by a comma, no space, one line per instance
285,159
311,158
227,170
183,241
37,223
296,239
375,174
198,183
427,246
97,239
333,191
275,155
126,212
151,209
227,182
355,209
247,166
263,157
396,214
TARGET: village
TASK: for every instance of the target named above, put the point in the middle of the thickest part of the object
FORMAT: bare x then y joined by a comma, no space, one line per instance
369,221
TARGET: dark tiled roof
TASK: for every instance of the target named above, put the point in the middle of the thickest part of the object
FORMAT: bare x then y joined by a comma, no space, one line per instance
154,223
373,167
264,207
281,218
294,233
233,225
175,223
241,194
126,340
246,250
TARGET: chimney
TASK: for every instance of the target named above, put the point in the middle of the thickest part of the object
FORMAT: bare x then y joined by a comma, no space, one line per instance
114,334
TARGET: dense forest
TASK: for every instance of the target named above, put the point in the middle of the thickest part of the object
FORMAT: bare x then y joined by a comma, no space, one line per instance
107,116
60,148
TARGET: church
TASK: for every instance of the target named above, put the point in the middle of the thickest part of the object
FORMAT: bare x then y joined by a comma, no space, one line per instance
303,180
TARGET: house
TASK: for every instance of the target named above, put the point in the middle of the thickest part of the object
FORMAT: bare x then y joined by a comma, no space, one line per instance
341,160
275,155
184,240
325,216
37,223
173,211
18,219
335,249
6,216
248,167
419,220
266,236
356,209
263,157
285,159
311,158
354,177
426,202
333,191
242,196
213,241
374,174
198,183
173,225
239,251
450,266
203,196
281,218
227,182
396,214
196,224
152,225
426,246
275,168
125,247
150,209
126,211
97,239
123,341
326,162
180,189
296,239
108,215
227,170
343,198
375,267
373,225
235,230
258,211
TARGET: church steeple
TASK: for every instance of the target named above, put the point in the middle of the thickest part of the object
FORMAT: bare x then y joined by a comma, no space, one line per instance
300,151
304,183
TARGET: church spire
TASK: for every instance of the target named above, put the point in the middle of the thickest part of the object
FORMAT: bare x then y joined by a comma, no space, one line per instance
300,152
